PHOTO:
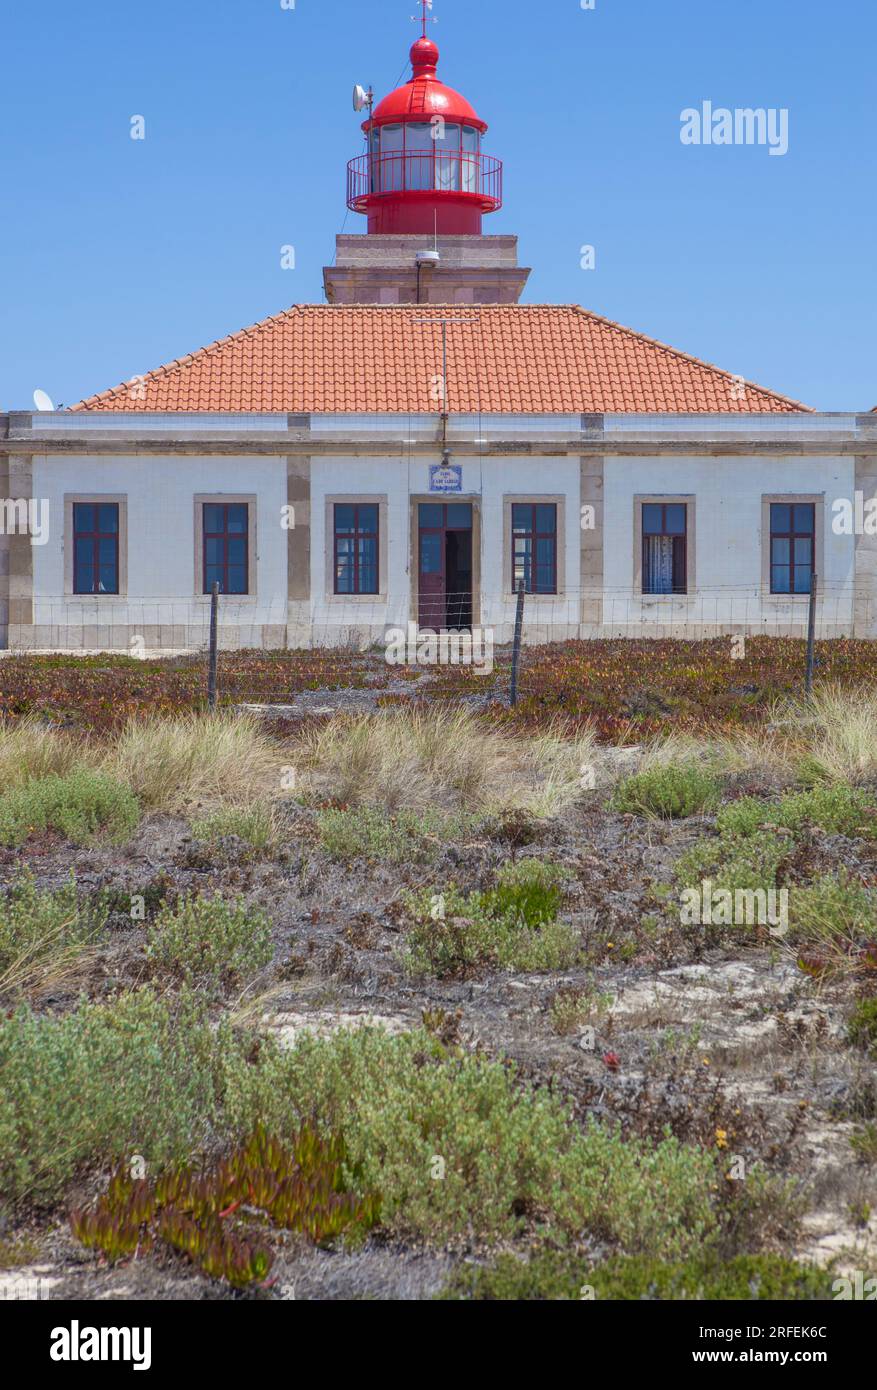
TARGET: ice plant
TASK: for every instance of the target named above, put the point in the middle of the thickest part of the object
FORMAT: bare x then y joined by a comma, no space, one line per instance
206,1214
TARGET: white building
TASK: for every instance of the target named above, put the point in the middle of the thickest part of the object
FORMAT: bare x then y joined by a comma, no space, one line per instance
417,447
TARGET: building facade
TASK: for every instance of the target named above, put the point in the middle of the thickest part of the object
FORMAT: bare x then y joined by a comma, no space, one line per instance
422,446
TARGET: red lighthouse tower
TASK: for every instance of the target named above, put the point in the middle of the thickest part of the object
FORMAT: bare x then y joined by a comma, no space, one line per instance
425,170
425,184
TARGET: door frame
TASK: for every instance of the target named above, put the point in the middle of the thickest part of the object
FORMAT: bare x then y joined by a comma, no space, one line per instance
414,501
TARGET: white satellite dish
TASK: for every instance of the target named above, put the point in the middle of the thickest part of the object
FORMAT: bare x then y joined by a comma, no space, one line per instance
360,98
43,401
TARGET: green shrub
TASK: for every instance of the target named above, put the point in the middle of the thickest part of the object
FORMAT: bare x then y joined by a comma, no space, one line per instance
864,1143
452,1144
561,1276
671,791
367,832
255,825
79,805
862,1024
833,906
137,1076
456,1144
510,927
210,943
733,861
40,928
838,809
574,1008
528,891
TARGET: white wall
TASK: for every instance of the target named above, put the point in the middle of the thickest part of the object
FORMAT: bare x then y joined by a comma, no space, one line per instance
160,493
728,532
161,541
487,479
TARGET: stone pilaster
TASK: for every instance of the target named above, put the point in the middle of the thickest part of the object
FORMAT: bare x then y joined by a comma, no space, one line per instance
19,550
591,492
865,585
298,496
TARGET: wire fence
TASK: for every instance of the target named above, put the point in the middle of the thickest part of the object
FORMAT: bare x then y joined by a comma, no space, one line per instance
491,633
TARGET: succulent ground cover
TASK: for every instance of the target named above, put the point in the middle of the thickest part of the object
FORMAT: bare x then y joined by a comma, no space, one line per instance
387,1006
626,689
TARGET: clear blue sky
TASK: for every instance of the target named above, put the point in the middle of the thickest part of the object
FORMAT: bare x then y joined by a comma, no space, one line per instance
117,255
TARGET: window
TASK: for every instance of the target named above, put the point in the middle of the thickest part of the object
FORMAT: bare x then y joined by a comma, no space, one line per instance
471,146
534,546
447,168
664,531
226,547
419,156
792,541
392,156
95,547
356,548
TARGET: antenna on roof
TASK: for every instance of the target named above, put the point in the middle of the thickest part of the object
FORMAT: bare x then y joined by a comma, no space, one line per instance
423,18
42,401
363,98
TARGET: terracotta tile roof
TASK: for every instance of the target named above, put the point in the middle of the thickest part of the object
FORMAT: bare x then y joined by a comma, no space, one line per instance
523,358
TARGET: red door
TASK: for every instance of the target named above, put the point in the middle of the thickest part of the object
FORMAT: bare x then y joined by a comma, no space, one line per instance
431,551
445,565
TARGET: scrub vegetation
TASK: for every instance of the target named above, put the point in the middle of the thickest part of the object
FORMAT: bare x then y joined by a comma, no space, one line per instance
401,1001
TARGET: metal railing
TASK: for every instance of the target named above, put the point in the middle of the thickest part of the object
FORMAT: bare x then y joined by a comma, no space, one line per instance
428,171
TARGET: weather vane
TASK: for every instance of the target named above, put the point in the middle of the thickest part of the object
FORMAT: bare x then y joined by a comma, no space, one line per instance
426,6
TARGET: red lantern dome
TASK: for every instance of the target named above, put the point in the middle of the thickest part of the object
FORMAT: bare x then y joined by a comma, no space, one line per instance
425,169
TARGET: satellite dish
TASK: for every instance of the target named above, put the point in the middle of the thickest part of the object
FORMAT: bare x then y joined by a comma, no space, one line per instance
360,98
42,401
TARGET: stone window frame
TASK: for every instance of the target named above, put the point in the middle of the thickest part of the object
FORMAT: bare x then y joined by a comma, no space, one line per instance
226,499
817,501
357,499
119,499
687,499
556,499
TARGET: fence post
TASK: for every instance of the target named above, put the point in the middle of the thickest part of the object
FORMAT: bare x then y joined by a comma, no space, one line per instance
516,653
811,635
214,636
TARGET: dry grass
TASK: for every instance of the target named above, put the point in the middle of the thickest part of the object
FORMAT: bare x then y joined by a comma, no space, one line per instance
47,969
774,757
445,759
196,761
29,749
839,731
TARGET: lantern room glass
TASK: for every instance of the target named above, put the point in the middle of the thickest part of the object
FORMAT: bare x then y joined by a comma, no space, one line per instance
419,152
469,163
422,155
392,158
447,163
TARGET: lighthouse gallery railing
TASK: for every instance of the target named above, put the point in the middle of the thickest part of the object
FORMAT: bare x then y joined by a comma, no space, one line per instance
430,171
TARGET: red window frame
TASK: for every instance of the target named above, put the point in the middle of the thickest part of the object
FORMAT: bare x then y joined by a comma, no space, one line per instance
225,535
792,535
96,536
535,536
680,548
356,535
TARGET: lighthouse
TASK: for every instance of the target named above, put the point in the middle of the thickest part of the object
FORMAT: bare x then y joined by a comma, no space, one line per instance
425,183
